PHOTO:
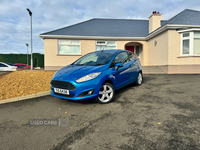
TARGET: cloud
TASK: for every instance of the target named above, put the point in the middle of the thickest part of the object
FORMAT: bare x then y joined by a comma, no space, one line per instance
50,15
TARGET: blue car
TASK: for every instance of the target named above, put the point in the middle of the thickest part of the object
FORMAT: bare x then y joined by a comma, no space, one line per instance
97,75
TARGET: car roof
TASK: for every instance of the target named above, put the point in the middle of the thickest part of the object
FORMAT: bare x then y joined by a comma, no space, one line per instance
20,64
112,50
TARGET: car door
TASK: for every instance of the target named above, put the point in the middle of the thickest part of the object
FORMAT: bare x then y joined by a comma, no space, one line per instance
121,74
133,66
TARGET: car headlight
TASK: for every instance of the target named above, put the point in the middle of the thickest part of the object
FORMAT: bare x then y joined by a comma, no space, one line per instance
88,77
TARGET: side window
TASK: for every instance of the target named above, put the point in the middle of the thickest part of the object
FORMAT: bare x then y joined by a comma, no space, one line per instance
2,65
122,58
131,56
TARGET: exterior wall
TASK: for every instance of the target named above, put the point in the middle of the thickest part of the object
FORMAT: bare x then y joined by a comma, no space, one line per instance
158,54
175,57
53,61
165,55
184,69
178,63
154,22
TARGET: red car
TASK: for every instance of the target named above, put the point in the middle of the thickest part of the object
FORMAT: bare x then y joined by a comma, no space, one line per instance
23,66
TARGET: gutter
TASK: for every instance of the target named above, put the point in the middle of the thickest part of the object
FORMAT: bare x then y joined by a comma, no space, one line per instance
167,27
151,35
90,37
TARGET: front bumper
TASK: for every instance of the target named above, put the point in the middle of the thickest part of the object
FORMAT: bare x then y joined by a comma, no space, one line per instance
94,84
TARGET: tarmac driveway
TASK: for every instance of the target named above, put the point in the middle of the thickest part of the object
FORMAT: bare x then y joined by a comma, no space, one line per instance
163,113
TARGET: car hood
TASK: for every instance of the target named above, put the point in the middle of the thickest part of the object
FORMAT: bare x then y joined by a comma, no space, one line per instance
75,72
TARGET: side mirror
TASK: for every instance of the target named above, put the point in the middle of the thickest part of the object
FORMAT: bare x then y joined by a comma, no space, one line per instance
117,65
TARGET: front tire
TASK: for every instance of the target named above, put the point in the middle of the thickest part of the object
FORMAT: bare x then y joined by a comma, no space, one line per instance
139,79
106,93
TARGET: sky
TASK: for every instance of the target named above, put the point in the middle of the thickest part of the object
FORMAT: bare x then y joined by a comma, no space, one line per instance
49,15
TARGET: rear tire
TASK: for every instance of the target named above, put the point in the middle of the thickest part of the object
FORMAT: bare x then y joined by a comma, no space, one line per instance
106,93
139,80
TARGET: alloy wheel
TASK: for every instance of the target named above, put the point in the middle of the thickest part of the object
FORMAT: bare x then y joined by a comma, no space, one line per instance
139,78
106,93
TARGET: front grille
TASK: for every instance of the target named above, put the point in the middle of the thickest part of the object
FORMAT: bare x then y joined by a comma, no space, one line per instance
63,85
70,95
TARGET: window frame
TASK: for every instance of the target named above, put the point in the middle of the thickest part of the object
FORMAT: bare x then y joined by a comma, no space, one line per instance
138,56
68,45
113,63
106,44
135,56
191,41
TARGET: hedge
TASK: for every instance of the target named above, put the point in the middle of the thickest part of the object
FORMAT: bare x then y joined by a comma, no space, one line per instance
38,59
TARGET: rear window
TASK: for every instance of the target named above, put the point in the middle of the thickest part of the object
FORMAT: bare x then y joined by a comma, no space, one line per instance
2,65
20,66
131,56
9,64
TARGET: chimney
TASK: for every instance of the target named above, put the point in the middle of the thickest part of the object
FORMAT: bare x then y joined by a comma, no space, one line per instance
154,21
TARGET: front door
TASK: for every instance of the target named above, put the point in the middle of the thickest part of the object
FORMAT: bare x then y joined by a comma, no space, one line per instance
130,48
122,74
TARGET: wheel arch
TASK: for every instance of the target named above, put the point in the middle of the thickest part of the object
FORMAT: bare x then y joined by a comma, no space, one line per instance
109,81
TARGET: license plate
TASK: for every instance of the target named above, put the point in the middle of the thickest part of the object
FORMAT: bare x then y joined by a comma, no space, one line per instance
61,91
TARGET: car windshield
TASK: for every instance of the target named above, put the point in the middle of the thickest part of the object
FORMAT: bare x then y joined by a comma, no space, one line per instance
95,58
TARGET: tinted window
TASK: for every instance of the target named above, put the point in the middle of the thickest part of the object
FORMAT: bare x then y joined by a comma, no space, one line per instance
2,65
22,66
9,64
96,58
121,58
131,56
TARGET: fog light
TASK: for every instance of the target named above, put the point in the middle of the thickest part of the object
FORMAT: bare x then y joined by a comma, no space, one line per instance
87,93
90,92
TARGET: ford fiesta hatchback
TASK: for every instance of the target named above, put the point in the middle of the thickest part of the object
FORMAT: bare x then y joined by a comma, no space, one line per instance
97,75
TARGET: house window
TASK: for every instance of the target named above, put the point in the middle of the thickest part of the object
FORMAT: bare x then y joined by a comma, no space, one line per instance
69,47
186,43
196,44
137,51
105,45
190,44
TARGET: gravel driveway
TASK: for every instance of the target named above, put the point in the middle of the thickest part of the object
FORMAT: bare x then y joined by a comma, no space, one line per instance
163,114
